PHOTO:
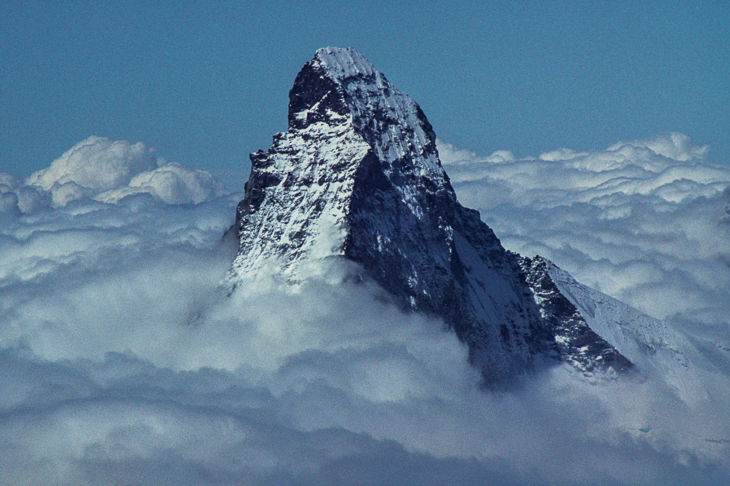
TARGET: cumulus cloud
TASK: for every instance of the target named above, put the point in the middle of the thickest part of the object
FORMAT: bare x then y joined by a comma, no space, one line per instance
16,197
172,183
123,360
97,164
108,171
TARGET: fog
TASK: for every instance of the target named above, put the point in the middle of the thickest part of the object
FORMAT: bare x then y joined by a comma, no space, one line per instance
126,361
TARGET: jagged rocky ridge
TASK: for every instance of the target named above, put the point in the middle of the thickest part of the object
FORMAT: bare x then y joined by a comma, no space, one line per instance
357,178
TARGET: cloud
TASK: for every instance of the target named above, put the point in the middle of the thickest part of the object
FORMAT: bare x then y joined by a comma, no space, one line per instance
97,164
124,361
108,171
644,221
16,198
675,146
172,183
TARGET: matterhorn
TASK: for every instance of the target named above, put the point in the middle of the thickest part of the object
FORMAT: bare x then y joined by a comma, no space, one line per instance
356,182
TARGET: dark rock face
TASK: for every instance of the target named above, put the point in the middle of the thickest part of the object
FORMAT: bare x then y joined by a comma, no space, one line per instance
316,94
357,178
577,343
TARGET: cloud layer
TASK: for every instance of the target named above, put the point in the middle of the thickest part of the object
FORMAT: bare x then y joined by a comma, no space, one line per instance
123,361
643,221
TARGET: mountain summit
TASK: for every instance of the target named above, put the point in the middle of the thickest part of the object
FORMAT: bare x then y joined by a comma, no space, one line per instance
357,179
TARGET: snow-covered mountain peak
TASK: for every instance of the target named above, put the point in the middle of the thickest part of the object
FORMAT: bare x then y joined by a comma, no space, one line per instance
341,85
352,138
356,179
343,63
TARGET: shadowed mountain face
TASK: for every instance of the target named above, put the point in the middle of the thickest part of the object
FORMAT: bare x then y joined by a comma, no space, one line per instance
357,178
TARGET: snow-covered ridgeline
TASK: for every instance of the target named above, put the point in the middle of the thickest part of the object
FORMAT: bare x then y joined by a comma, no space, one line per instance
652,344
309,171
356,179
387,118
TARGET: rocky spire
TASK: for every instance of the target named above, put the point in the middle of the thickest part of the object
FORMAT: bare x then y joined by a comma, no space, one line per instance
356,178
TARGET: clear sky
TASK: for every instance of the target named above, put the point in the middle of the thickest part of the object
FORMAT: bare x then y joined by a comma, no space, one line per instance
206,82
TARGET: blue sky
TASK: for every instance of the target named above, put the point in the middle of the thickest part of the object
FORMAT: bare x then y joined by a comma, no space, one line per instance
205,83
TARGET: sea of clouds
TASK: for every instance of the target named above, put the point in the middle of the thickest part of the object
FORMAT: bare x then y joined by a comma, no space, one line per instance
124,361
644,221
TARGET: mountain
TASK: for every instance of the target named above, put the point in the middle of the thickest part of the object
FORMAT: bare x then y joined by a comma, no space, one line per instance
356,180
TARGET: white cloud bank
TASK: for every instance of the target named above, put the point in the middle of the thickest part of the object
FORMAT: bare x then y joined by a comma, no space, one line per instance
122,362
107,171
643,221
